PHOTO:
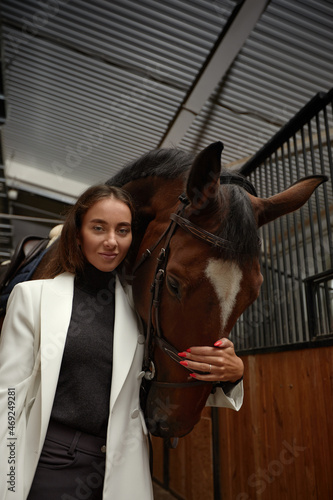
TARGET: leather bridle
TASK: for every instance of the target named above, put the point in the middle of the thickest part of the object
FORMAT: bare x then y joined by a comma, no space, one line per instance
176,219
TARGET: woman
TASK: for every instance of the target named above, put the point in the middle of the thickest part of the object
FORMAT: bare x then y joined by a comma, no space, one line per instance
70,364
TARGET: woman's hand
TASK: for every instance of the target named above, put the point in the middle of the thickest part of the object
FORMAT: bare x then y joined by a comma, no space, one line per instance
218,364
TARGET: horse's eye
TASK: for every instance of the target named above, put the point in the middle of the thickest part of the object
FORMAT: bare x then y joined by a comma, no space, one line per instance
173,286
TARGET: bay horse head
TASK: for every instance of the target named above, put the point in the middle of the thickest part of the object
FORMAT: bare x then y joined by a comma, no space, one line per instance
196,269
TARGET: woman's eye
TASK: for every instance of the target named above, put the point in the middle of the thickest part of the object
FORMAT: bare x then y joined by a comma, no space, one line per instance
97,228
124,231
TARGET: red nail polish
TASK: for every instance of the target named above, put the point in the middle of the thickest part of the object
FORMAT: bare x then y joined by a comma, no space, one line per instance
182,354
218,343
194,375
184,363
188,350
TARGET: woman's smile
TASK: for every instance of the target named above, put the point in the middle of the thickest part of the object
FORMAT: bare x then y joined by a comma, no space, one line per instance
109,256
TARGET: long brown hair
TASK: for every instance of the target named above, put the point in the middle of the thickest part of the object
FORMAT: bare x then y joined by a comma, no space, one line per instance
67,255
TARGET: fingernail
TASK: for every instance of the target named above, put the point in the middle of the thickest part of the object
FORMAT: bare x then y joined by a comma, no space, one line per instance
194,375
184,363
182,354
188,350
218,343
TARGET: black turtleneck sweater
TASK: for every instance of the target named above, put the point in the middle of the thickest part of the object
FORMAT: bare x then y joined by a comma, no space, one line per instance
83,391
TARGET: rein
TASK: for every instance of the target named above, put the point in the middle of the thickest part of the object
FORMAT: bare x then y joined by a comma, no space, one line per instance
176,219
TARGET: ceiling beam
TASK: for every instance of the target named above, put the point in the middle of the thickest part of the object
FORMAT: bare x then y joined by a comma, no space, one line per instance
48,184
230,42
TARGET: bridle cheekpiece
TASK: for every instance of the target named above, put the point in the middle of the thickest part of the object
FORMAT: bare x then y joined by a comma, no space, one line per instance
176,219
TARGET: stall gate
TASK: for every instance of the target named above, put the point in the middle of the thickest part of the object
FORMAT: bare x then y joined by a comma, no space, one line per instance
280,445
295,303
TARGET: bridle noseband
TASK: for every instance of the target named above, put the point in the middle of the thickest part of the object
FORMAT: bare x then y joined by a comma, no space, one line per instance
176,219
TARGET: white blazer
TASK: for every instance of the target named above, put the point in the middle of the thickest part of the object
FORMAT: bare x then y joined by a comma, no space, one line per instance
31,348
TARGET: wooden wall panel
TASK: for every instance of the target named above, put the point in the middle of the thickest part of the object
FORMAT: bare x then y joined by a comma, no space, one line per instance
278,446
284,446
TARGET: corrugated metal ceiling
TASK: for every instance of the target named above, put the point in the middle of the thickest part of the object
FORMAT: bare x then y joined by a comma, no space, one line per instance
98,84
91,85
286,60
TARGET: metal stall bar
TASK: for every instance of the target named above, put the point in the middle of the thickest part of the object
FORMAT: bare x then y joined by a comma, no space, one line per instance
289,273
322,169
317,103
287,319
300,294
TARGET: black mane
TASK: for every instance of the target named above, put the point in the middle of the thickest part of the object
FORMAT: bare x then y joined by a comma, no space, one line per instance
167,163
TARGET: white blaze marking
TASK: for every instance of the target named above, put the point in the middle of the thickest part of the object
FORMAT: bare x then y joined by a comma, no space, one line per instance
225,277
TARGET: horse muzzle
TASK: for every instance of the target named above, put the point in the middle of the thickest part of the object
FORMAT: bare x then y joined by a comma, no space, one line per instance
171,411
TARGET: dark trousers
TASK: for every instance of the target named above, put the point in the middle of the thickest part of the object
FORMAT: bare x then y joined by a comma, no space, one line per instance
71,466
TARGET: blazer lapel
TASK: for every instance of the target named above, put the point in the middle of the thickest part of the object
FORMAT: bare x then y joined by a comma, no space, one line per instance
124,342
56,309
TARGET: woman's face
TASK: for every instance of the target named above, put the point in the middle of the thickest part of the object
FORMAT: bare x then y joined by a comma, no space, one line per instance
106,234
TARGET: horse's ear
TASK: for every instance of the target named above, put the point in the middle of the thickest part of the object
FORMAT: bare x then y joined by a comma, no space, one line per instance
204,177
268,209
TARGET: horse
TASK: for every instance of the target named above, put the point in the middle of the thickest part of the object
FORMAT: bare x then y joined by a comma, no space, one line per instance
194,266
